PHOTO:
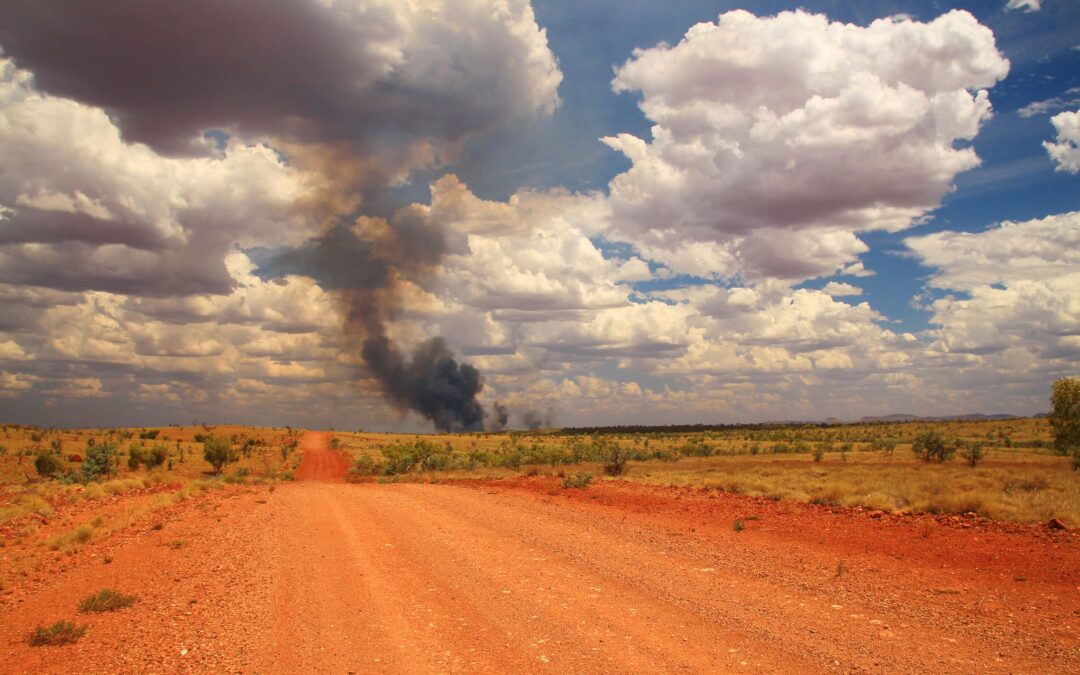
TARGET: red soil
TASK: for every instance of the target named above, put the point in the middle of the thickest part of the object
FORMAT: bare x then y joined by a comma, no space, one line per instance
522,576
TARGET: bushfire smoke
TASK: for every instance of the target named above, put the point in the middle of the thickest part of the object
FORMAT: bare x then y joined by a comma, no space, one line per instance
355,97
365,267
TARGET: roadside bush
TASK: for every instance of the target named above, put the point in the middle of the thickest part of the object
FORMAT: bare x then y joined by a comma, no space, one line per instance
930,446
100,461
1065,418
617,457
218,453
135,456
105,600
972,452
364,466
696,447
577,480
148,457
47,465
59,633
420,456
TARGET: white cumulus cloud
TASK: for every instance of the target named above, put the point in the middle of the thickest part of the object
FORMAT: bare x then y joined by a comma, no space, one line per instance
777,139
1026,5
1065,151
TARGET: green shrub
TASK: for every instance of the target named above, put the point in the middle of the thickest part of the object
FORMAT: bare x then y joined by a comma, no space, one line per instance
365,465
972,452
420,455
59,633
100,461
577,480
105,600
1065,418
617,457
930,446
218,453
47,465
135,456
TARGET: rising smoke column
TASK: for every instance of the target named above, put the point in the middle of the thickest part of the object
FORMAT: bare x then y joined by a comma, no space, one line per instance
500,415
357,94
364,267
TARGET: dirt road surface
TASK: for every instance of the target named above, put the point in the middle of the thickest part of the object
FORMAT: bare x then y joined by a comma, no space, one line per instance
320,463
524,577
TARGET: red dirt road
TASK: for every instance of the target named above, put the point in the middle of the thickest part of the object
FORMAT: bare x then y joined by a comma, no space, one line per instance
521,576
320,463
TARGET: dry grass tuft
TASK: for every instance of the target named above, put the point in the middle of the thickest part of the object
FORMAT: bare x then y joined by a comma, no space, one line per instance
59,633
106,600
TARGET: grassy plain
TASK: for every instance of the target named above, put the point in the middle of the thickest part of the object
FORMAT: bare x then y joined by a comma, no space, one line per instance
867,465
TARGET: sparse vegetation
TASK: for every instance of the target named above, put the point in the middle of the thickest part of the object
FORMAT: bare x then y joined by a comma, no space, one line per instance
1065,418
577,480
930,446
972,452
218,453
106,600
47,464
617,457
59,633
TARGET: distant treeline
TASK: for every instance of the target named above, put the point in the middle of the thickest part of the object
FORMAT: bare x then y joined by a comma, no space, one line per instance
683,428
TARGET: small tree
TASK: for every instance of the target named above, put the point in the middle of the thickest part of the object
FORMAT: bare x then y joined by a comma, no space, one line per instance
101,460
218,453
1065,418
929,446
972,452
47,465
617,457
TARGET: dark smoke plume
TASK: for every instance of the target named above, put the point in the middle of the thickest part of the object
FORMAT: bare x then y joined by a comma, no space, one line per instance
350,95
364,267
499,417
533,420
432,383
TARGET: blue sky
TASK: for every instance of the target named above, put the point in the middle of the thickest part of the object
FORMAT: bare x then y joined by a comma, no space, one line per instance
616,210
1016,181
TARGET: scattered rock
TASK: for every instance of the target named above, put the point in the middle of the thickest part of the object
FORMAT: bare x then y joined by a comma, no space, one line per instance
1057,524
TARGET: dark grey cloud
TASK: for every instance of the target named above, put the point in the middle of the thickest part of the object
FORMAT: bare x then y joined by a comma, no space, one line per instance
76,266
168,71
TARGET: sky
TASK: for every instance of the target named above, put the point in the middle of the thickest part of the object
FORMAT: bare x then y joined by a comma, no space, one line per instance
461,214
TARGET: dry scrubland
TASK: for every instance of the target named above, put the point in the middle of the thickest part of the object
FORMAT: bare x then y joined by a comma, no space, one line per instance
67,511
178,567
859,465
1019,478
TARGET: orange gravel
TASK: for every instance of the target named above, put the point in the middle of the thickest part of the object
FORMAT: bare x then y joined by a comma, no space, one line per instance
522,576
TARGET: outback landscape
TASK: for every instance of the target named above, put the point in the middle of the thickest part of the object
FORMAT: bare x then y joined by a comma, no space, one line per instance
539,336
716,550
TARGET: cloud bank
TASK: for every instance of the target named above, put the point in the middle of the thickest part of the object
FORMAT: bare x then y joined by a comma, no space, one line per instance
187,241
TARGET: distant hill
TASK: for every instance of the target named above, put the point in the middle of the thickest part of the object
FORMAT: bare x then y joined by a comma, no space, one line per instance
970,417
